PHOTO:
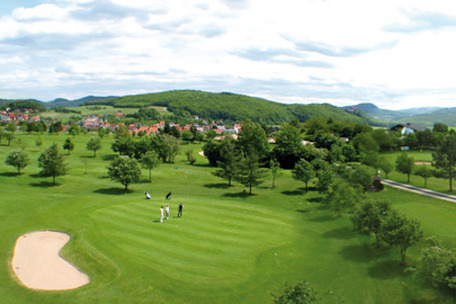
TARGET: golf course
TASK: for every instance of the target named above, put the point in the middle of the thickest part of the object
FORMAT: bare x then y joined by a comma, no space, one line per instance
228,247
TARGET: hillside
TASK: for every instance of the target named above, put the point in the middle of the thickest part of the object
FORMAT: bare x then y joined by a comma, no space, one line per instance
442,115
375,112
427,116
62,102
231,106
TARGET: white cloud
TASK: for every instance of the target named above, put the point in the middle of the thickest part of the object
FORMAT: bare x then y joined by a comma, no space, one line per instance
40,12
341,52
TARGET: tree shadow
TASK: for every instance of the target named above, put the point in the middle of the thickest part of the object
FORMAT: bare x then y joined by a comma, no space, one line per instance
302,210
339,233
322,218
203,165
294,192
243,195
315,200
10,174
44,184
86,157
363,253
113,191
108,157
218,186
36,175
386,270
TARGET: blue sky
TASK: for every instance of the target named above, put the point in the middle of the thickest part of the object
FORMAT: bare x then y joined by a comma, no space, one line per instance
396,54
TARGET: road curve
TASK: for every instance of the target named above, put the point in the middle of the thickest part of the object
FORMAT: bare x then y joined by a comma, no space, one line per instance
422,191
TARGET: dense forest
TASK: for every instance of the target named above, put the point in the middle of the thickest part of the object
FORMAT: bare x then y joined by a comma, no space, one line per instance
21,104
233,107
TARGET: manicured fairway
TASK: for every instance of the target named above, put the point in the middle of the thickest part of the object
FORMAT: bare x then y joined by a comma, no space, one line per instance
227,248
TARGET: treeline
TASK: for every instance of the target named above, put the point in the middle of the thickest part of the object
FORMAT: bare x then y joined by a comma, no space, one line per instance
232,107
21,105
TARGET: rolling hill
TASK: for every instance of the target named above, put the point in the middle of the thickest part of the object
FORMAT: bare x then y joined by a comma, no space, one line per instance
234,107
427,116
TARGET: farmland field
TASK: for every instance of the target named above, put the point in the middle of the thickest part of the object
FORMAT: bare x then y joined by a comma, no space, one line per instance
228,247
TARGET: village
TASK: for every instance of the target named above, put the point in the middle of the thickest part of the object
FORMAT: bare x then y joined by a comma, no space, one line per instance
93,123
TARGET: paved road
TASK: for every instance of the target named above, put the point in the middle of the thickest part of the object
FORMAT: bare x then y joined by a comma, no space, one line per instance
422,191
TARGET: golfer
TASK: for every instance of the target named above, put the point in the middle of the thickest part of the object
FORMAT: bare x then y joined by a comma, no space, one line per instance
161,214
179,210
167,212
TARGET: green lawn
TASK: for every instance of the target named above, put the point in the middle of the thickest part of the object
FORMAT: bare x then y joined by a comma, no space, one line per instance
96,110
227,248
437,184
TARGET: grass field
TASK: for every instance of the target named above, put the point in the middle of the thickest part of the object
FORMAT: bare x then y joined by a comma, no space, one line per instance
95,110
227,248
437,184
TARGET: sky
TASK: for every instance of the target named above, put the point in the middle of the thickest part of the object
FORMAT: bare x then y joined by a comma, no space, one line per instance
396,54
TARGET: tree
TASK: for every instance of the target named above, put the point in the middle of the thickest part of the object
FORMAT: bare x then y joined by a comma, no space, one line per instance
11,127
199,136
187,136
212,152
228,167
434,265
399,231
102,132
300,293
149,161
368,217
250,174
445,158
324,174
94,144
18,159
9,137
303,171
124,170
52,163
169,147
253,139
425,172
56,127
125,145
405,164
2,134
440,128
74,130
39,141
190,157
361,176
342,196
68,145
335,154
288,149
385,165
276,172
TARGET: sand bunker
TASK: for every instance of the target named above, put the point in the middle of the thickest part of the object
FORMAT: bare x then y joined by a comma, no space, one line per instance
38,265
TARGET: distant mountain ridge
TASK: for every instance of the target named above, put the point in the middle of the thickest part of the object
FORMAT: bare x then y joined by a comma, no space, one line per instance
427,116
62,102
237,107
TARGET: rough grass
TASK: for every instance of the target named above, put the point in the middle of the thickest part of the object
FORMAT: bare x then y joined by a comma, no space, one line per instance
228,247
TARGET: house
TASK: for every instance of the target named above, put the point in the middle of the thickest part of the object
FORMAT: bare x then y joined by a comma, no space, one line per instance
4,117
408,128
